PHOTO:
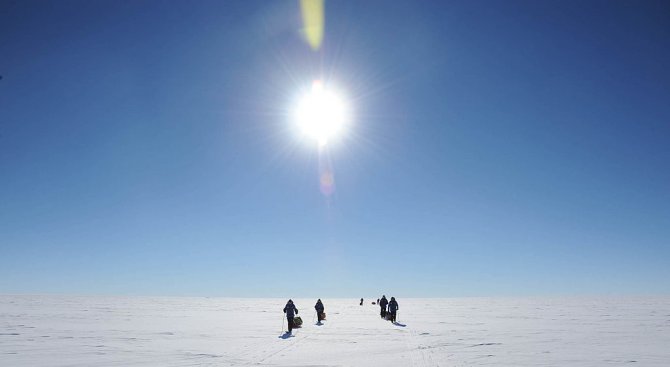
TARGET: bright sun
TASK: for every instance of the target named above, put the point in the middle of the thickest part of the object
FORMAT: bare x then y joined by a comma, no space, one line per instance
321,114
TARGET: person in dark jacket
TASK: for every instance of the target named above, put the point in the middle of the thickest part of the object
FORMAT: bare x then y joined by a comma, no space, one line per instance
290,310
382,304
319,310
393,308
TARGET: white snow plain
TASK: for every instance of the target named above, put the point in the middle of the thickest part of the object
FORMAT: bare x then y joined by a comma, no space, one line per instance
142,331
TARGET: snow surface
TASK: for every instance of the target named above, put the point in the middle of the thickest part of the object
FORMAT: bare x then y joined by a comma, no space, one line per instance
142,331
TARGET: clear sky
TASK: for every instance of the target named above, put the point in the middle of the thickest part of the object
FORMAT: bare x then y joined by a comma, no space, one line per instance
496,148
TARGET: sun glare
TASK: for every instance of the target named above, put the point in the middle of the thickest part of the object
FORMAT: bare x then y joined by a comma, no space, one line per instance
321,114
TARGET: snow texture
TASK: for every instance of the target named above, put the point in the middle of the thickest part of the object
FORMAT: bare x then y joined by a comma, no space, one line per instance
142,331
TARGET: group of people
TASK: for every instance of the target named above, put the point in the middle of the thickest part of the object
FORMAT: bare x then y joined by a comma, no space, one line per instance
389,310
290,310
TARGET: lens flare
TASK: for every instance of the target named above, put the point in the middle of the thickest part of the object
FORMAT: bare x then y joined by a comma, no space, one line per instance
313,20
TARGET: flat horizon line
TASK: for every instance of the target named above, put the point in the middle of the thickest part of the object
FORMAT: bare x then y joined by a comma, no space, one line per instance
116,295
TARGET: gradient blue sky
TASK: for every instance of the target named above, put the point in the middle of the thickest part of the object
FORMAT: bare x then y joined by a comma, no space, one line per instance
498,148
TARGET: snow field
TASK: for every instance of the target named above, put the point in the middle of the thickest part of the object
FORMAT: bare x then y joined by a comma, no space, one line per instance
160,331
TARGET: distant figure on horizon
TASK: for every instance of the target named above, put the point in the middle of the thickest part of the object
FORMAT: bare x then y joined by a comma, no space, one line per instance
361,301
382,304
319,311
377,300
393,308
290,310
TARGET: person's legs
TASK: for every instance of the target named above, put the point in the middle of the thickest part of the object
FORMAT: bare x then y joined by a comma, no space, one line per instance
290,324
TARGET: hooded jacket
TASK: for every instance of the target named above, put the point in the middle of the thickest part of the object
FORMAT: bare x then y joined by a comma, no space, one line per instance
383,302
393,306
290,310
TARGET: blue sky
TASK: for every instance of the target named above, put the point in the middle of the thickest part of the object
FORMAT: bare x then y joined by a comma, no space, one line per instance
497,148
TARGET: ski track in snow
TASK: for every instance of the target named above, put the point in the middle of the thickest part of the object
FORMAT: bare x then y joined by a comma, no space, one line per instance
83,331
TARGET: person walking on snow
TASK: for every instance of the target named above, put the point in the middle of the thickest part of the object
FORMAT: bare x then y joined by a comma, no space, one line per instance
382,304
290,310
319,310
393,308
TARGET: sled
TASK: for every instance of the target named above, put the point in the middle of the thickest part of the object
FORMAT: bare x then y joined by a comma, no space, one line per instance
297,322
323,316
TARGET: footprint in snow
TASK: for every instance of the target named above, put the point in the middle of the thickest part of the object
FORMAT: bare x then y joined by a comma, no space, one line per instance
485,344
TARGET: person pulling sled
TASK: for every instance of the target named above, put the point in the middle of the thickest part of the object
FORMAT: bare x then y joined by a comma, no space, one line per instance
290,310
320,315
382,304
393,309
